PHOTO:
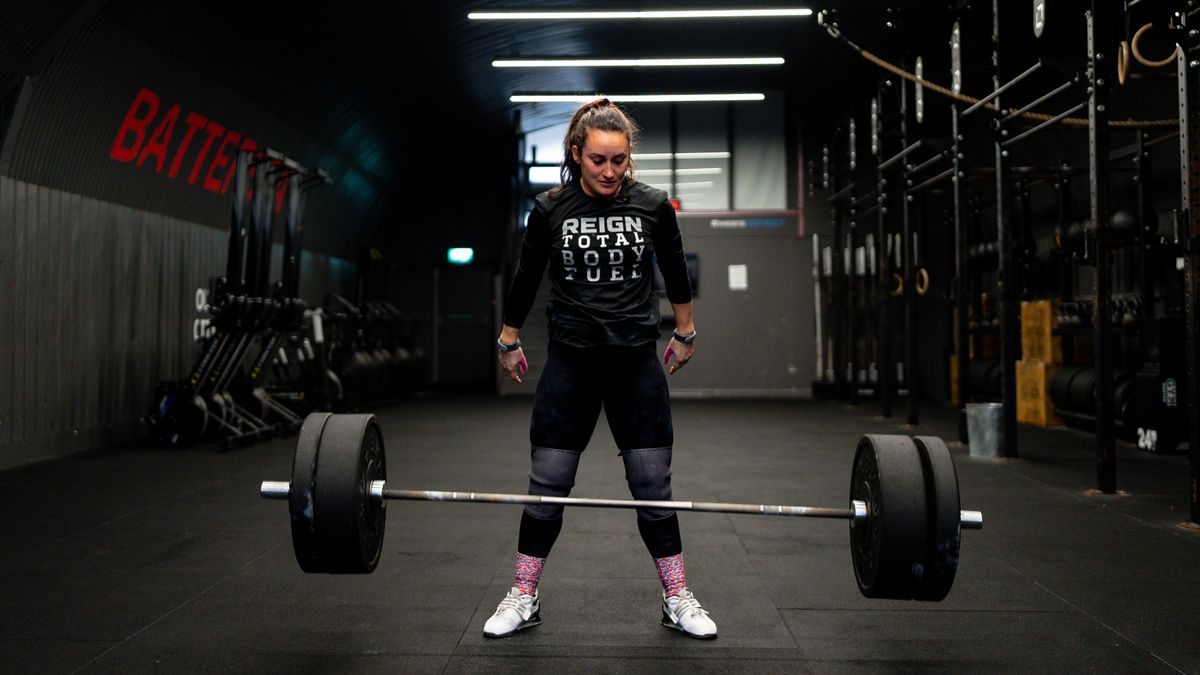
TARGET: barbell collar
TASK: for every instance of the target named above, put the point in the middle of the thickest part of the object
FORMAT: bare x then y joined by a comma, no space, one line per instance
860,510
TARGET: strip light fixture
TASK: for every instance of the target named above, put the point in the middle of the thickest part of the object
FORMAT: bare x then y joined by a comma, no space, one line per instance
635,63
634,98
642,156
702,171
544,174
641,14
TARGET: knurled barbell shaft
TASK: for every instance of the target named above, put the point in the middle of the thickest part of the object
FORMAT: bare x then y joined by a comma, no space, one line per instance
718,507
972,520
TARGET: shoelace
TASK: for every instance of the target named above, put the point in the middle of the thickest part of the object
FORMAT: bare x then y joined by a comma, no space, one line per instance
688,603
510,602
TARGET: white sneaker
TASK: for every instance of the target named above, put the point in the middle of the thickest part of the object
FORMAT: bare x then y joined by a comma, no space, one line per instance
683,613
515,612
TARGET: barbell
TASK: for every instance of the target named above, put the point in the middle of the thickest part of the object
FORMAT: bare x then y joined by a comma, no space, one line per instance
904,513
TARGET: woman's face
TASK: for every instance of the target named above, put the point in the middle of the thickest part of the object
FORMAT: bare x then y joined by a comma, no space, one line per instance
603,159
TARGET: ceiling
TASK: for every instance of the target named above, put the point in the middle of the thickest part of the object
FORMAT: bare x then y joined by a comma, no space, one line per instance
408,90
415,79
388,83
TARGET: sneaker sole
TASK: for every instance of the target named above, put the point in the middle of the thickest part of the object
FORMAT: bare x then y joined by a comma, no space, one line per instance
535,620
668,623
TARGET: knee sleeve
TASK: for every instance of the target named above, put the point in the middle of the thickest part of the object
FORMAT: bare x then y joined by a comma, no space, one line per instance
551,474
648,472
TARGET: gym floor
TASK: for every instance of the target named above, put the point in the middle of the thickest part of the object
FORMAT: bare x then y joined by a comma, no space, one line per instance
144,560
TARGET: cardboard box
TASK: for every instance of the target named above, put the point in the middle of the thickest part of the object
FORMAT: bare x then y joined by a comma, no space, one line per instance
1038,342
1033,393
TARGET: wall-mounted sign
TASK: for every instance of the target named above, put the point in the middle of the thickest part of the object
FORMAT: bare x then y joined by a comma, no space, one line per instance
738,279
460,256
746,223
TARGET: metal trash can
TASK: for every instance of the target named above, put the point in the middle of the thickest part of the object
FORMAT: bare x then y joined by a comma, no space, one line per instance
985,429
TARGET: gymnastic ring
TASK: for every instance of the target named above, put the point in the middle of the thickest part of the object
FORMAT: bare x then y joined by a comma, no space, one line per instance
922,281
1137,53
1123,61
899,289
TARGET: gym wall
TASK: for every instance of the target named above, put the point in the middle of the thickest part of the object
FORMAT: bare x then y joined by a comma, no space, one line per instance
111,118
97,306
102,250
755,341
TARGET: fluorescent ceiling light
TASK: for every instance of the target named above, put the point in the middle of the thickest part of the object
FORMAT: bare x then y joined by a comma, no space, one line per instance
643,14
704,171
544,174
633,98
641,156
635,63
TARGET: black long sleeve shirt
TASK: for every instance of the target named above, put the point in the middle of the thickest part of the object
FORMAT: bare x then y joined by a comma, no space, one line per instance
600,253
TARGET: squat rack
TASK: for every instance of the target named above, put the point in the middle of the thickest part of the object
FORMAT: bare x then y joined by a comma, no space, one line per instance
1101,67
1187,232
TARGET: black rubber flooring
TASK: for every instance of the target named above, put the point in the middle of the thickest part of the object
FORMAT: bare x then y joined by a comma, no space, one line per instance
145,560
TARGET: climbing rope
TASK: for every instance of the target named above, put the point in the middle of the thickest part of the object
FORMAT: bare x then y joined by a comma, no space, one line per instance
1040,117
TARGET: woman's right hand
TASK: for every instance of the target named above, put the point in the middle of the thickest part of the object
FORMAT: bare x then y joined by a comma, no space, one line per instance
514,364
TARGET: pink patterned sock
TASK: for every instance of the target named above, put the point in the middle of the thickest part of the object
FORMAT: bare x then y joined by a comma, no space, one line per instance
670,573
528,573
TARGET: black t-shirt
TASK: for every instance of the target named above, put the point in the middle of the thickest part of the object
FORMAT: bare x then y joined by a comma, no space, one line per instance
600,253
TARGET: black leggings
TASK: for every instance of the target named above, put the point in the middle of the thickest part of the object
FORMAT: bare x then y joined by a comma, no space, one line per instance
629,384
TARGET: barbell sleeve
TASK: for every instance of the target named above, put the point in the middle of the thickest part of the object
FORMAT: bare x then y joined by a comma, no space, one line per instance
970,520
274,489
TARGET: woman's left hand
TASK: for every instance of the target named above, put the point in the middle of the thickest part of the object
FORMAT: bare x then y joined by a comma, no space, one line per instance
677,355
